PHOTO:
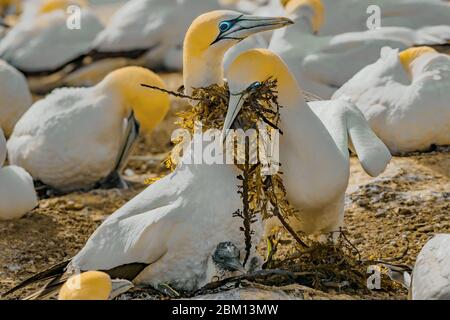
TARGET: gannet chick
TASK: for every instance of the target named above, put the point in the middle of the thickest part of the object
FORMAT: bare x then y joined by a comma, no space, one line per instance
405,98
313,149
322,64
75,137
431,275
93,285
17,195
167,233
39,46
15,97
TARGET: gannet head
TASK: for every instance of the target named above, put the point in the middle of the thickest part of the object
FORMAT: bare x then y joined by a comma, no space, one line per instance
408,56
312,10
211,35
92,285
150,106
248,71
53,5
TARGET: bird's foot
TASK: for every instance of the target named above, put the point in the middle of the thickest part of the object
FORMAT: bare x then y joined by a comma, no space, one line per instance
167,290
112,181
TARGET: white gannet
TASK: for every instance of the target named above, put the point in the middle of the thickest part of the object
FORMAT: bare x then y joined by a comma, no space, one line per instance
313,148
353,15
143,32
40,45
17,195
75,137
15,97
322,64
405,97
169,231
431,274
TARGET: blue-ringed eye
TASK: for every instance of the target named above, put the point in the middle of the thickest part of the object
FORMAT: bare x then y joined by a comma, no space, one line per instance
255,85
225,26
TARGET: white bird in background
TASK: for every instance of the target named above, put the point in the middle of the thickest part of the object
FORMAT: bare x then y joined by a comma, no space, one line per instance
75,138
142,32
431,275
405,97
322,64
168,233
40,45
15,97
314,145
353,15
17,195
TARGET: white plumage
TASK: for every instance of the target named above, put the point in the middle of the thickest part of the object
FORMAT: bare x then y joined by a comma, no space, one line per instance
431,275
171,226
322,64
15,97
314,145
352,15
45,42
409,109
156,25
17,195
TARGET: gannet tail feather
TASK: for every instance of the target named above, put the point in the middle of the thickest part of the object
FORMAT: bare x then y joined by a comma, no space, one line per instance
371,151
49,274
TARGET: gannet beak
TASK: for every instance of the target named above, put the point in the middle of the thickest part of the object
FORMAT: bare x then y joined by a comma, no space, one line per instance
247,25
234,107
119,287
235,265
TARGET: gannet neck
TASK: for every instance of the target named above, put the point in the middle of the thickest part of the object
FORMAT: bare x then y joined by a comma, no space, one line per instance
149,106
52,5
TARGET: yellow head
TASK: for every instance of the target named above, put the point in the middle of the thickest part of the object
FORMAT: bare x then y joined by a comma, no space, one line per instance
92,285
211,35
53,5
251,68
314,9
150,106
408,56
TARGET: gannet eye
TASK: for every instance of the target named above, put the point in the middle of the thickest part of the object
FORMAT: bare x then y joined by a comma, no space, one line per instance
255,85
225,26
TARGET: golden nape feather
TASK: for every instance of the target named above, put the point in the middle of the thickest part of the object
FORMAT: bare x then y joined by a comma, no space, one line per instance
409,55
317,20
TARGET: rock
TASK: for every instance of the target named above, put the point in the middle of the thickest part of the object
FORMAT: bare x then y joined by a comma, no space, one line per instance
431,275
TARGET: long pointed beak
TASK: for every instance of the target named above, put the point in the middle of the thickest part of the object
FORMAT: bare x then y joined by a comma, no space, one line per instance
247,25
234,107
119,287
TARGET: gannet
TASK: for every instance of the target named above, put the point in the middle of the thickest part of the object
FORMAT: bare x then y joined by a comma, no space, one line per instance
405,98
322,64
353,15
75,137
431,274
15,97
168,232
17,195
313,148
40,45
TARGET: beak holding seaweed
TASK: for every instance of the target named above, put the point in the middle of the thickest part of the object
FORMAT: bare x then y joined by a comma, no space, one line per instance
234,107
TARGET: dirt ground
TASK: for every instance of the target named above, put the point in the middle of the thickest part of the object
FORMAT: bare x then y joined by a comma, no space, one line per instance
388,218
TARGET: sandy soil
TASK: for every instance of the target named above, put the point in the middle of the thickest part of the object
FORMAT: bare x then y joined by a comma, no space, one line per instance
390,217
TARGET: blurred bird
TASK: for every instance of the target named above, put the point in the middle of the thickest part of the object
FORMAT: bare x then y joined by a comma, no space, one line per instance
168,232
354,15
8,7
79,138
322,64
17,195
313,148
431,275
40,45
15,97
405,97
